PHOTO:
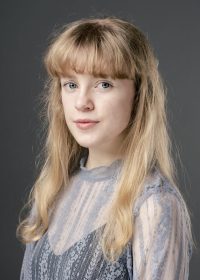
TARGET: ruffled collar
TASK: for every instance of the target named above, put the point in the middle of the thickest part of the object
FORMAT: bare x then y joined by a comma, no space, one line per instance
101,172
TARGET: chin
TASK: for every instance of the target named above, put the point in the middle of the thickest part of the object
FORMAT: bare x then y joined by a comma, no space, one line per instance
87,144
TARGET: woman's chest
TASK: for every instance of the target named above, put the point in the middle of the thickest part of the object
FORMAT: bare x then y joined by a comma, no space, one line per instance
83,260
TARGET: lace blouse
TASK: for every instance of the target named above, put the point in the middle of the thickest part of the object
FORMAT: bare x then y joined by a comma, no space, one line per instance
69,250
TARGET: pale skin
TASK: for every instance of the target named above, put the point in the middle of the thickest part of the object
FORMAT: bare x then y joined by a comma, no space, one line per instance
108,101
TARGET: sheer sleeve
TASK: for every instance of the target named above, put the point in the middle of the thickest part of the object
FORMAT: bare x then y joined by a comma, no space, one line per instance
24,273
160,243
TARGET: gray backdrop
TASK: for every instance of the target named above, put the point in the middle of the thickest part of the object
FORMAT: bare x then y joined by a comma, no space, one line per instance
172,28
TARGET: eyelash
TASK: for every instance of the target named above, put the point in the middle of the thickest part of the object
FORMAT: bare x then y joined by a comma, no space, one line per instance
110,85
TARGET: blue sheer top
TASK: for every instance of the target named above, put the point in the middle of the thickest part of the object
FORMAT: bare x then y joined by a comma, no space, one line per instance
160,248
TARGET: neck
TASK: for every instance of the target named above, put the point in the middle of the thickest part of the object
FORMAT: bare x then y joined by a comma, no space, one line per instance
101,158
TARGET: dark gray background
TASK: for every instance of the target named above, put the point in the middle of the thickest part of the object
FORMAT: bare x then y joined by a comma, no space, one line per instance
172,28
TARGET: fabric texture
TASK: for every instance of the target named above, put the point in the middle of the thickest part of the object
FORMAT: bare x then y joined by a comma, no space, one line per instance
70,248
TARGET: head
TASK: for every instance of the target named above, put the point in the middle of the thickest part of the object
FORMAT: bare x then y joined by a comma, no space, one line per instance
91,51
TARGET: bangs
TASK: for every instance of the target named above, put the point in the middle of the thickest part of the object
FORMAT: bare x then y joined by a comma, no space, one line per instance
86,49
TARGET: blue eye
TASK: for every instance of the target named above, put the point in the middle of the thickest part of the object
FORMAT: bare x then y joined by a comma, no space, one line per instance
71,85
105,84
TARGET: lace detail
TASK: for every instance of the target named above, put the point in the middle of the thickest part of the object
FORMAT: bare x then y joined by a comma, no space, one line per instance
70,248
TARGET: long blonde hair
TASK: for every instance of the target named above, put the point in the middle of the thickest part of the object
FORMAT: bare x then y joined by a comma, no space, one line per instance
106,46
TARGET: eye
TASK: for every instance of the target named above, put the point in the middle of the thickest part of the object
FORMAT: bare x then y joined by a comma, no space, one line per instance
70,85
105,84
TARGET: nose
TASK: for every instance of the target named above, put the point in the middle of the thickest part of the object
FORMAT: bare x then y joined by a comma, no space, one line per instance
84,102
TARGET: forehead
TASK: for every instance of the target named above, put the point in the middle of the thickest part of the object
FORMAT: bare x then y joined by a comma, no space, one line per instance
71,74
99,61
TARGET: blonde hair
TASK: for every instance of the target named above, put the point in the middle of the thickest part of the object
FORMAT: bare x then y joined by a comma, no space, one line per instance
106,46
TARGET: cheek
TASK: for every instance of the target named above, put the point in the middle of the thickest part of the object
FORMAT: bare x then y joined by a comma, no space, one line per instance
120,111
66,108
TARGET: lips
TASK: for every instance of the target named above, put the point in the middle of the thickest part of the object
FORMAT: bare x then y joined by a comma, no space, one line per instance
84,124
85,121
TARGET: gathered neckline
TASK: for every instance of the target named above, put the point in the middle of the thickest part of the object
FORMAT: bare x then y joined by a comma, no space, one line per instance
100,172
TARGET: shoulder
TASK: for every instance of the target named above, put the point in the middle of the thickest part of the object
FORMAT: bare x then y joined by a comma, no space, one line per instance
162,205
158,191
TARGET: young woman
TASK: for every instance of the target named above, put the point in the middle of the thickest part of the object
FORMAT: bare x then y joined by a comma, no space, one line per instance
106,204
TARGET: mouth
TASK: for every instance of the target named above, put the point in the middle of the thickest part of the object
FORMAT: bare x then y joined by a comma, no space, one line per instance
85,124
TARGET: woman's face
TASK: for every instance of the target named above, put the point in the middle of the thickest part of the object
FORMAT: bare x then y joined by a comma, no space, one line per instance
96,110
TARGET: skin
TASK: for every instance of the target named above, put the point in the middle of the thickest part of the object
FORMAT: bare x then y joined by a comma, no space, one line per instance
108,101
